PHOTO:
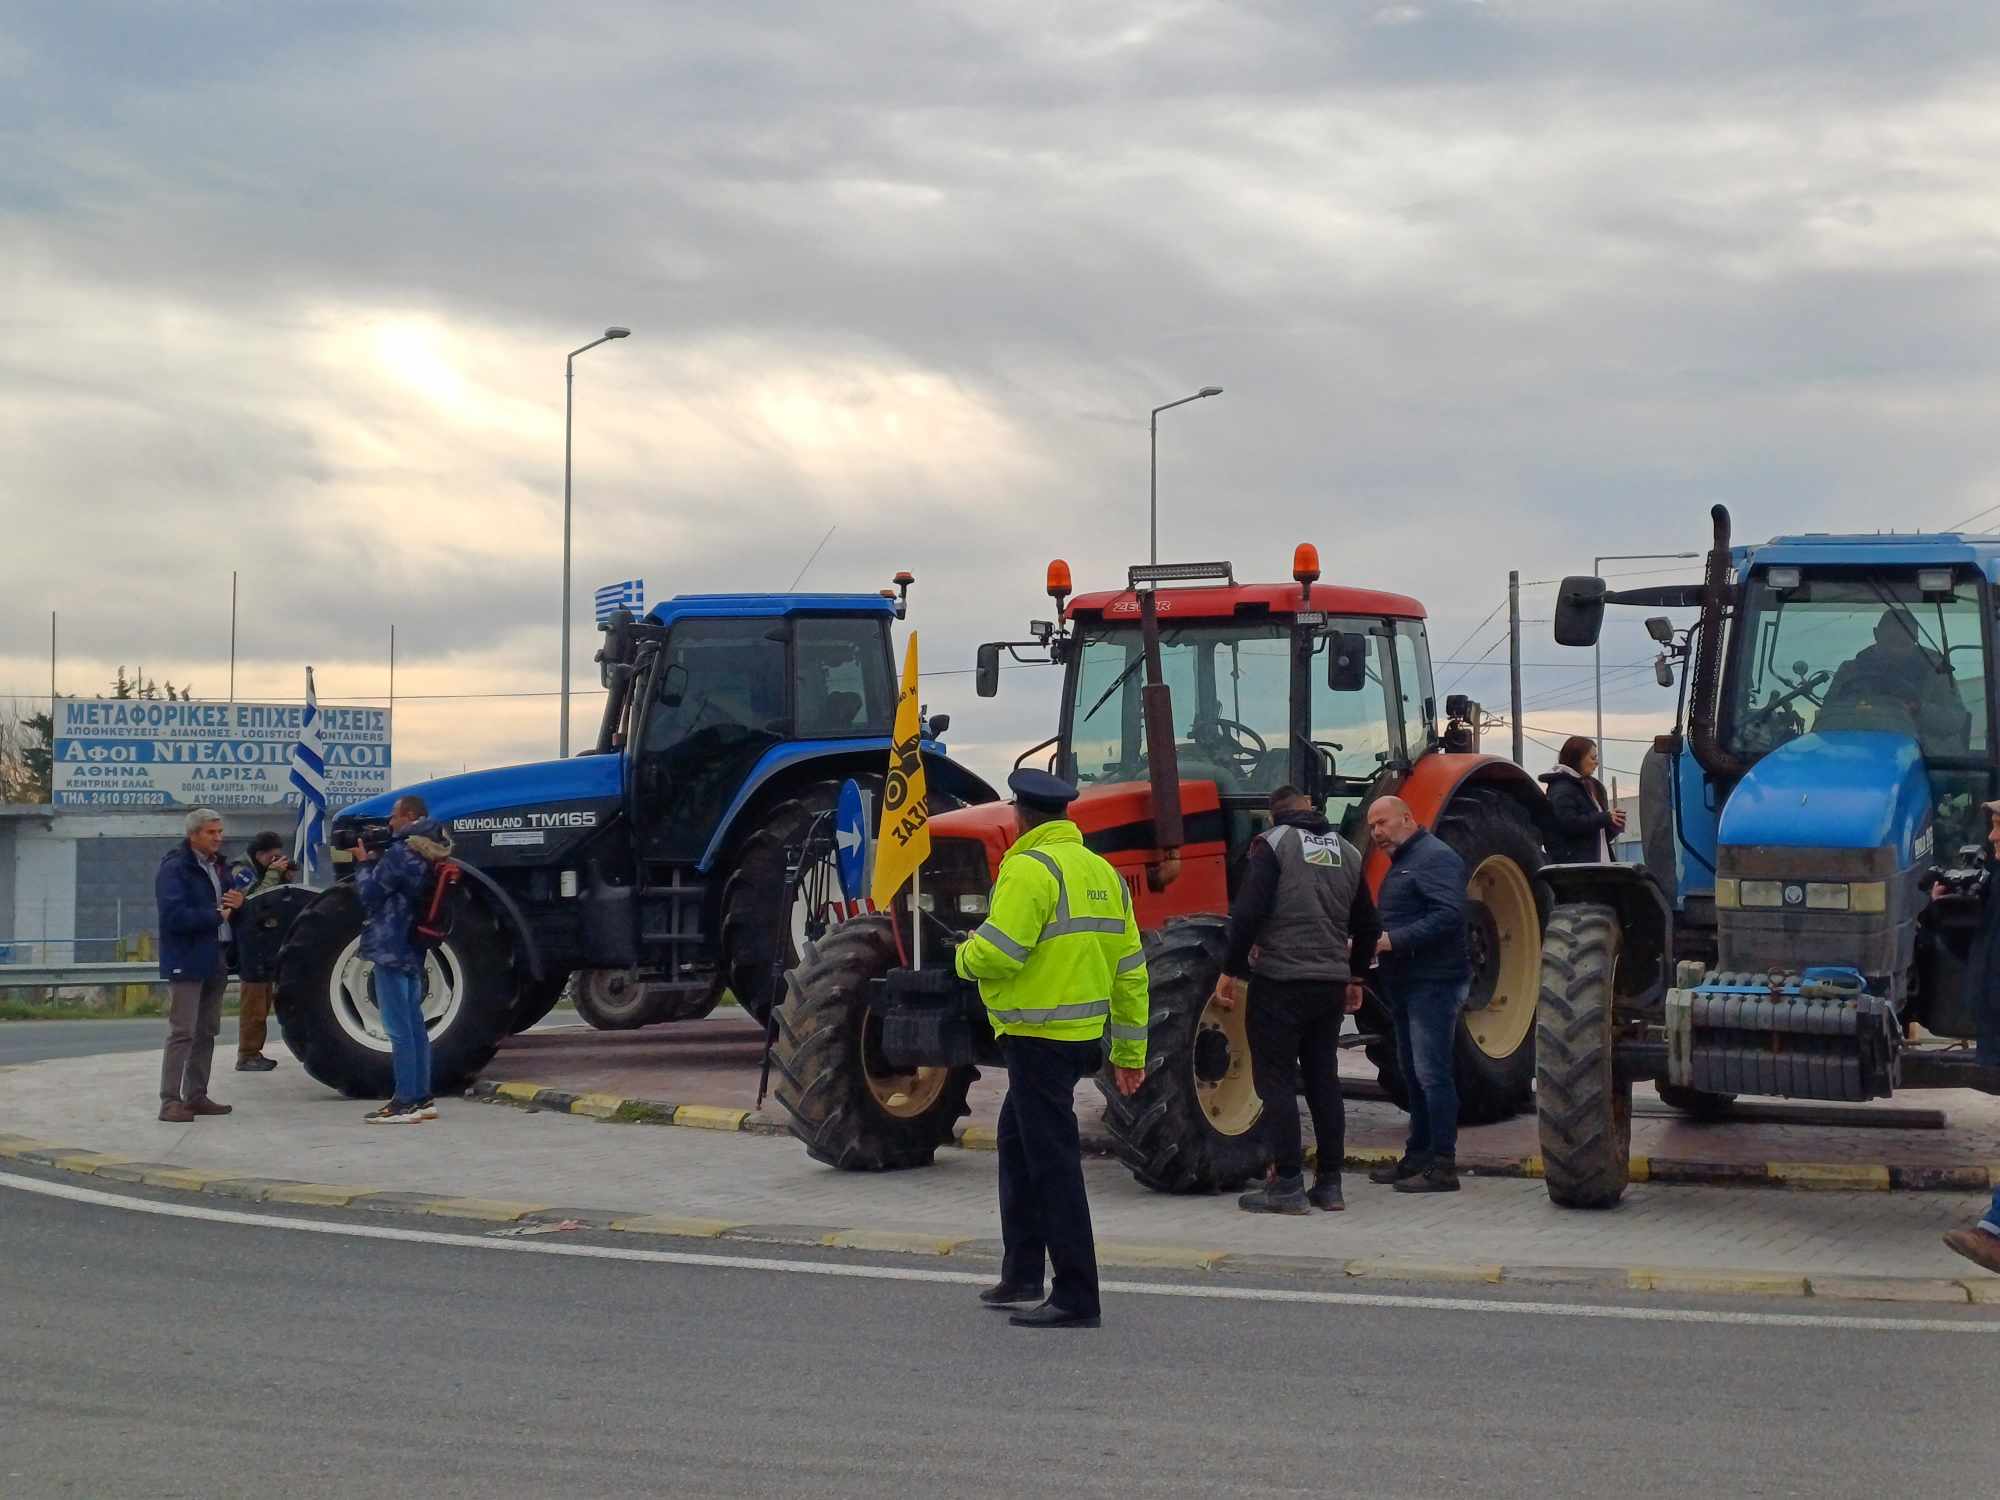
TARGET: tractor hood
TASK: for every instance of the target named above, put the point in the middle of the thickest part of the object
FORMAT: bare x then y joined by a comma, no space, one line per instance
1841,789
595,779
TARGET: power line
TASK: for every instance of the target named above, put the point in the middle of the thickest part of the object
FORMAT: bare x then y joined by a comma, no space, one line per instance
1980,516
1498,640
1477,628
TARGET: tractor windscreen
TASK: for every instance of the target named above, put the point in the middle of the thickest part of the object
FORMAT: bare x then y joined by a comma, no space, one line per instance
1858,650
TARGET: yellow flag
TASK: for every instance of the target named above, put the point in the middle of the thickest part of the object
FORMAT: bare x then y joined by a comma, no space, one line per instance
903,842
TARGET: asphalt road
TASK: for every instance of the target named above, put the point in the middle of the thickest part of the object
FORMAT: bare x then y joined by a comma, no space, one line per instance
37,1041
158,1356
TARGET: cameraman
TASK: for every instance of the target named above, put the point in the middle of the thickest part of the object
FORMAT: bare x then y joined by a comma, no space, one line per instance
1981,1243
388,883
266,869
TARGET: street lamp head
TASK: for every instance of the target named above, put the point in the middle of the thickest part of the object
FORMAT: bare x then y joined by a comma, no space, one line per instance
618,333
1209,390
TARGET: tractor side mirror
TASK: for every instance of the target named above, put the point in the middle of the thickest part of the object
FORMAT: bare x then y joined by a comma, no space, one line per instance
1663,672
1579,611
986,677
673,685
938,724
1346,662
618,649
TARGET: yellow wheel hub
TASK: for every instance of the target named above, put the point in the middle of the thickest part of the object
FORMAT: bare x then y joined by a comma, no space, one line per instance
1513,939
1222,1078
903,1096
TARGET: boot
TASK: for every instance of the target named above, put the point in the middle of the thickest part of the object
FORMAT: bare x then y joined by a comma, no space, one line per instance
1441,1176
1410,1166
174,1112
1281,1195
1325,1194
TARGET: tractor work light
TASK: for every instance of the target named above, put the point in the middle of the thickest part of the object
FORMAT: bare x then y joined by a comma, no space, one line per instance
1727,895
1761,892
1934,580
1871,896
972,904
1199,572
1305,563
1826,895
1784,580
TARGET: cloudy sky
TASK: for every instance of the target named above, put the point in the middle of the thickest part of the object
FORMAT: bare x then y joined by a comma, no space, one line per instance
286,287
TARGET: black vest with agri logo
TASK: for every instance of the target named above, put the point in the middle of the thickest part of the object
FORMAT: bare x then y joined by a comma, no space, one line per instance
1306,936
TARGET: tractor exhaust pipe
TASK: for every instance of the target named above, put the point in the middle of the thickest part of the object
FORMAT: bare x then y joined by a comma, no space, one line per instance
1162,759
1704,690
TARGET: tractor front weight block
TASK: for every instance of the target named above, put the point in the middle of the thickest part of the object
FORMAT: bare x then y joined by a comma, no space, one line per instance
930,1018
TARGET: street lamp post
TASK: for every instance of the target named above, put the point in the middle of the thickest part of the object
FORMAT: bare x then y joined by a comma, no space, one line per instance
569,407
1597,650
1153,423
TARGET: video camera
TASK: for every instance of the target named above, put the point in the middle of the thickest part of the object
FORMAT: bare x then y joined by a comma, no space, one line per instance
374,840
1963,879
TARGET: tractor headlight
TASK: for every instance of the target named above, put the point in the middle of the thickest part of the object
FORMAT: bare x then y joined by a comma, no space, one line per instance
1825,895
972,904
1727,896
1868,896
1762,892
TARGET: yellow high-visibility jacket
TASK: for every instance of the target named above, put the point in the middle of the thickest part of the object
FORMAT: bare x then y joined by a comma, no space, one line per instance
1059,954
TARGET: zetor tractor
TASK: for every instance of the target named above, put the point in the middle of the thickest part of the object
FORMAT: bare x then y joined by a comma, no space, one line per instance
1188,699
1835,738
649,870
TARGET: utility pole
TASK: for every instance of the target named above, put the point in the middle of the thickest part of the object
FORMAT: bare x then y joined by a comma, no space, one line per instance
1514,658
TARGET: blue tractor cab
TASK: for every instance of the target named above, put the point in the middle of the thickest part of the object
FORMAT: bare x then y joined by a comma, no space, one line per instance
1829,767
647,874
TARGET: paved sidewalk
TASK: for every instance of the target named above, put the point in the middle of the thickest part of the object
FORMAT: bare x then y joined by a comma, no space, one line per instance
286,1127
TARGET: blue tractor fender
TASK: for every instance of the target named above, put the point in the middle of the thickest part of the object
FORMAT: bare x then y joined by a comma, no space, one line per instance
528,954
839,758
1645,921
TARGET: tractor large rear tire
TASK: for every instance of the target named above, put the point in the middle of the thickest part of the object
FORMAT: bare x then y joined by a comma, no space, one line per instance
1585,1108
847,1106
326,1004
536,998
751,894
1193,1126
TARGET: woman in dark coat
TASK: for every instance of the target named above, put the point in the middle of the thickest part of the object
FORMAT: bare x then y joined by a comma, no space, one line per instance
1584,819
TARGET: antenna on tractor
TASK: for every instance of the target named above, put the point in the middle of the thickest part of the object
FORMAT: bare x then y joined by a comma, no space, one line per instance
815,554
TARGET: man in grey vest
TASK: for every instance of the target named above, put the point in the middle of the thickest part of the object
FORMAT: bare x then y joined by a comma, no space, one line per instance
1302,929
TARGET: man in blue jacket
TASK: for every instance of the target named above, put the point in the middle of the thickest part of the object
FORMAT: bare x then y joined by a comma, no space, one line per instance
195,898
1425,970
388,886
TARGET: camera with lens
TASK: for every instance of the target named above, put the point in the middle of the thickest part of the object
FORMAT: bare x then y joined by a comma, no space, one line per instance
374,840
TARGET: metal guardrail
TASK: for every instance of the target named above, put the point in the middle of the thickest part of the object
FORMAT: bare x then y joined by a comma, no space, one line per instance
55,976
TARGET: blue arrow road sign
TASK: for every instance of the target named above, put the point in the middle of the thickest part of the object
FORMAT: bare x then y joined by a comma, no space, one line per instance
850,837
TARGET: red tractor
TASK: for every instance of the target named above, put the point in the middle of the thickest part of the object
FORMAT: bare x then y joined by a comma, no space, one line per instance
1188,699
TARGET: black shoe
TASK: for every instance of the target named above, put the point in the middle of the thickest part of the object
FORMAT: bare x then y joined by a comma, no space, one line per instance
1281,1195
258,1064
1397,1171
1325,1194
1004,1295
1438,1177
1048,1315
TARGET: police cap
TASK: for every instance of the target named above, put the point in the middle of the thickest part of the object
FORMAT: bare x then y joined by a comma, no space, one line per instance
1041,791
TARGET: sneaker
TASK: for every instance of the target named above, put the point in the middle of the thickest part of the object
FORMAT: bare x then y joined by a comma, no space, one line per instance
393,1113
1281,1195
1439,1177
1397,1171
1325,1195
255,1064
1980,1246
426,1109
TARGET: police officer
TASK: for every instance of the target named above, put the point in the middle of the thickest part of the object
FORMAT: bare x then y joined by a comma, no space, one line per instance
1302,928
1059,964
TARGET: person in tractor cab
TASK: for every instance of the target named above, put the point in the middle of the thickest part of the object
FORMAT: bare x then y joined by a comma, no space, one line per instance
388,886
1425,970
1902,675
1981,1243
1585,821
1302,930
1059,964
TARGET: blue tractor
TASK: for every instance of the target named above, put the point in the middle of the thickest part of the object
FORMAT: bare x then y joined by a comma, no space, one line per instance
1826,777
647,873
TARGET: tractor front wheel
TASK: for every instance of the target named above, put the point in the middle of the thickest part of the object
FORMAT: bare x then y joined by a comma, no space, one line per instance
1585,1109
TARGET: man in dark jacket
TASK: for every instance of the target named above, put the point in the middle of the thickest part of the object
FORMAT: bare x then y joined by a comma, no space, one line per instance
1425,971
195,899
1981,1243
1302,930
388,887
264,869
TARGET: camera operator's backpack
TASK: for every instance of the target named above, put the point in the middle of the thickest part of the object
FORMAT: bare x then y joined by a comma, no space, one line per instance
434,905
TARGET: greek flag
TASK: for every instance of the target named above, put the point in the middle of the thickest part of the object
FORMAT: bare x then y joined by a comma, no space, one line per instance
631,594
308,779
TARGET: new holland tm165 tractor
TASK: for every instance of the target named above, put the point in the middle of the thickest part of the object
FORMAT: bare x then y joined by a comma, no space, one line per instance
649,870
1827,769
1188,698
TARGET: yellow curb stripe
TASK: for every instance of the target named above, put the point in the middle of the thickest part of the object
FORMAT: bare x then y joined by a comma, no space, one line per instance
524,1092
1983,1291
1640,1169
494,1210
894,1239
1372,1156
190,1178
698,1229
88,1162
1717,1283
1531,1166
1167,1257
1829,1175
320,1194
710,1117
21,1145
597,1106
1422,1270
979,1138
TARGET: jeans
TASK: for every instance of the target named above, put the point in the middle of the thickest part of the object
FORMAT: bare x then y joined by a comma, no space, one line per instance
194,1016
1044,1214
1992,1219
1426,1017
1289,1023
399,994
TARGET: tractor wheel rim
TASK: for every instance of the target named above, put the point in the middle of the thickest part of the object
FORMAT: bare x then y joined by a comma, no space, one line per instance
351,993
902,1096
1512,959
1220,1065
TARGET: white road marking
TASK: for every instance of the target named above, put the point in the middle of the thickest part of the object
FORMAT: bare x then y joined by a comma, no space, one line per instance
970,1278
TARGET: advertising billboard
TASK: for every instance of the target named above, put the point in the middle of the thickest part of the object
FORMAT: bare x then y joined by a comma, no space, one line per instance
145,752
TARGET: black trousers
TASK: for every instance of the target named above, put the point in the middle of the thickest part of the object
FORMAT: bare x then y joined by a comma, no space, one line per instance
1044,1215
1294,1022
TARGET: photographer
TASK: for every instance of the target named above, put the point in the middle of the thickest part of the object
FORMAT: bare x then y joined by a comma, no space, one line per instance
266,869
388,884
195,902
1981,1243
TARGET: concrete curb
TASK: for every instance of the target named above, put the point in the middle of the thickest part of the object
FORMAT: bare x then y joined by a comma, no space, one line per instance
512,1216
1805,1176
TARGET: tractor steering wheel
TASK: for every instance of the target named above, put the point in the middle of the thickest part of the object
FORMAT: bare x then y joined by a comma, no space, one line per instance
1229,737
